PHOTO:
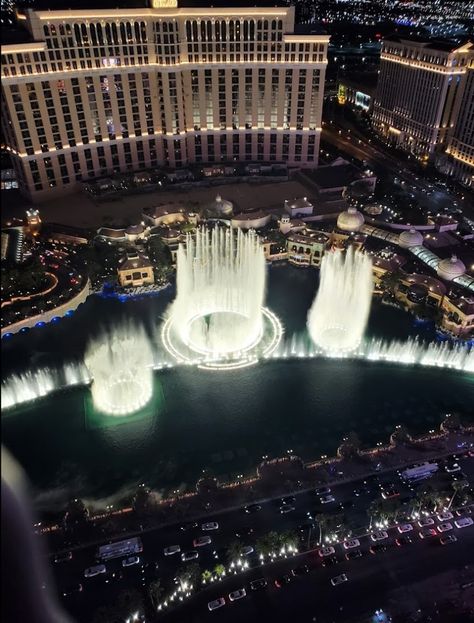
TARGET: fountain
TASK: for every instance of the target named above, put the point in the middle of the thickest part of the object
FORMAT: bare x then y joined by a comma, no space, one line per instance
218,318
339,313
120,363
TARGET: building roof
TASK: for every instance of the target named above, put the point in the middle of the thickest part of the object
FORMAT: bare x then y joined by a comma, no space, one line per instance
134,261
444,45
162,209
109,232
466,305
432,284
350,220
450,268
14,35
410,238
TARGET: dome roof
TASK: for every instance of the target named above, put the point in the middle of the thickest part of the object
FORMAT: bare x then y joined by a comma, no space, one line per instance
410,238
220,207
351,220
450,268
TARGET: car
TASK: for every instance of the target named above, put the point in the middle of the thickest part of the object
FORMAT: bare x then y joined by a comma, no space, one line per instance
247,550
404,527
201,541
459,476
323,491
448,539
339,579
329,561
403,540
131,561
258,584
425,521
452,467
91,572
326,551
210,525
378,548
445,516
253,508
353,553
286,509
71,590
389,491
244,531
283,580
238,594
327,499
301,570
380,535
64,557
289,499
172,549
351,543
446,526
216,603
463,522
191,555
426,533
188,526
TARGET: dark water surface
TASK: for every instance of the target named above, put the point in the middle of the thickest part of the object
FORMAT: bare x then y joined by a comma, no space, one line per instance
225,421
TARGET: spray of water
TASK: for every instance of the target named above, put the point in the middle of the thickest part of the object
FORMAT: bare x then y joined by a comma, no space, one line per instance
120,363
220,291
338,316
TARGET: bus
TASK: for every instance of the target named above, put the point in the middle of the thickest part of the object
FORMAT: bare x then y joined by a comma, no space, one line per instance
118,549
425,470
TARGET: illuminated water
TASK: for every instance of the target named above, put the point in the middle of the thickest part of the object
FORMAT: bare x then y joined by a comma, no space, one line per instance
338,317
222,420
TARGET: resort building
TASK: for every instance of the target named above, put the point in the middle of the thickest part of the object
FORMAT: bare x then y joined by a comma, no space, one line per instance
459,159
415,289
135,270
307,248
98,92
458,316
416,101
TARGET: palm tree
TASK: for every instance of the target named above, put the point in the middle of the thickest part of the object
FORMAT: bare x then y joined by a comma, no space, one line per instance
219,570
322,521
268,544
457,487
155,593
206,576
234,551
288,539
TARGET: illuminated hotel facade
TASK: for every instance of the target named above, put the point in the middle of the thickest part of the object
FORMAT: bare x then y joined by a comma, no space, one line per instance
459,159
105,91
417,97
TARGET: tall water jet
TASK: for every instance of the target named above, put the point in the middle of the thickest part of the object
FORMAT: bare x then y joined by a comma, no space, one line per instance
120,363
338,316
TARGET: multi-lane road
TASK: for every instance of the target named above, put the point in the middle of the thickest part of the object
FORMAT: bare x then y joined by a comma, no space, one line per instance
103,588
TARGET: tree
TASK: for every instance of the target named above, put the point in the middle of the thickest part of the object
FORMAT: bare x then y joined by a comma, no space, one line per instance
76,513
234,551
457,486
288,540
219,570
142,501
155,593
268,544
189,575
322,520
350,446
206,576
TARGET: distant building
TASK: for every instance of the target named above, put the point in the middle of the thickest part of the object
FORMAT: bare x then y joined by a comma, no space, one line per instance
459,159
357,91
135,269
299,207
165,214
251,220
307,248
415,100
419,289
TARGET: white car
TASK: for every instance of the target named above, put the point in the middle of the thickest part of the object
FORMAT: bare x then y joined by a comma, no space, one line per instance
453,467
445,516
247,550
326,551
379,536
202,540
445,527
327,499
425,521
351,543
217,603
286,508
339,579
90,572
238,594
172,549
211,525
463,522
405,527
191,555
130,561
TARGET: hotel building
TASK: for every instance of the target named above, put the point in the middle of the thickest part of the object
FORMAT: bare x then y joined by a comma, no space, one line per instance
103,91
459,159
416,100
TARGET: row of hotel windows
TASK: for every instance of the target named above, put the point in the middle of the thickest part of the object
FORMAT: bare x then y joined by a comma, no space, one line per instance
173,150
416,55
